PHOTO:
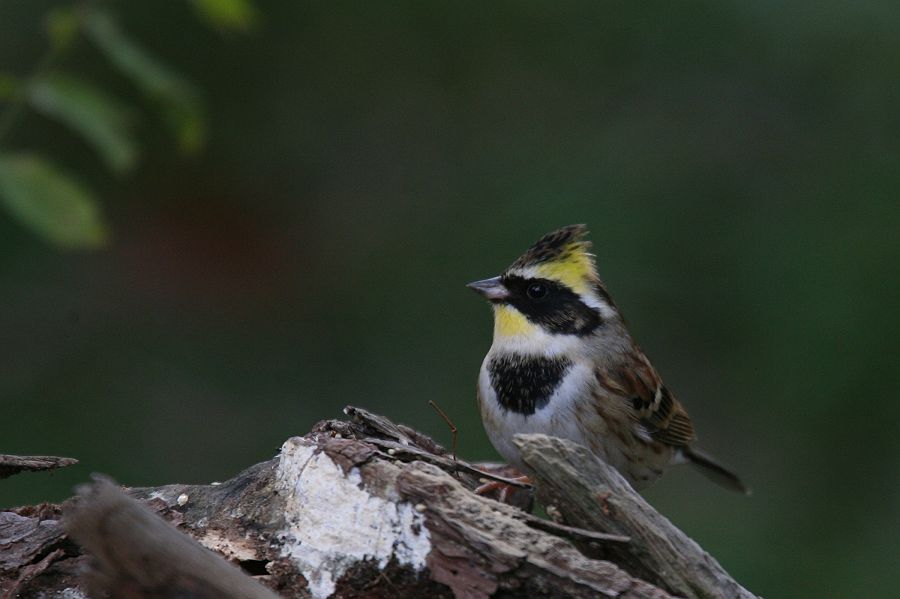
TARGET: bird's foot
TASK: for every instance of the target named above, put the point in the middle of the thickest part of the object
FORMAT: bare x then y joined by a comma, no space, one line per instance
505,489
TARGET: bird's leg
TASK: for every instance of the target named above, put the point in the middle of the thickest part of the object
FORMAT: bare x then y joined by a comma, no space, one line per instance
506,484
504,488
507,489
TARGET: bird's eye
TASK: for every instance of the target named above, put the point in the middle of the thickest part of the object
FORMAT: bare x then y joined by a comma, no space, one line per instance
537,291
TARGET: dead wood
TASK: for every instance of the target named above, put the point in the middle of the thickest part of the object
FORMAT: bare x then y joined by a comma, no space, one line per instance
14,464
356,508
590,494
137,554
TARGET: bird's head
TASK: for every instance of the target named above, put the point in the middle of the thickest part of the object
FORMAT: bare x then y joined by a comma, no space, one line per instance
551,289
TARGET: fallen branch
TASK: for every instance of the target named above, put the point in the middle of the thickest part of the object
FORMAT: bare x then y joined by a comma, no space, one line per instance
590,494
138,554
14,464
355,508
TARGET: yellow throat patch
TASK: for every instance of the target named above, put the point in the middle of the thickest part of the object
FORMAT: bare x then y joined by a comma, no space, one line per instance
509,322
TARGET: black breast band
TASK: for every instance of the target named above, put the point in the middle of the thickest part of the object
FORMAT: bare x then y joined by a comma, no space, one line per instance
524,384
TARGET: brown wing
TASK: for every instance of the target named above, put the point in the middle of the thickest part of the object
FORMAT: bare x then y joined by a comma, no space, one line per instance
650,404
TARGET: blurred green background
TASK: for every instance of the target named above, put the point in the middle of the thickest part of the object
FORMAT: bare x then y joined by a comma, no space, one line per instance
738,164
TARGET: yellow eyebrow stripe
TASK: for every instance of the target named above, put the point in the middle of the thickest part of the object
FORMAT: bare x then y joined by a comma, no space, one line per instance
575,271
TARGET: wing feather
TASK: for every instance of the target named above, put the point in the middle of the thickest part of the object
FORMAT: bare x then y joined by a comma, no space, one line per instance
651,406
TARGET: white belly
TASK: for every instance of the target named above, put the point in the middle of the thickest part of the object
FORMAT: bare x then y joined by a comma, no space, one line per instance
558,418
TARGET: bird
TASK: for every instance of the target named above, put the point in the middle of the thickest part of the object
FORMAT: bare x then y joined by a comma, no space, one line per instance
563,363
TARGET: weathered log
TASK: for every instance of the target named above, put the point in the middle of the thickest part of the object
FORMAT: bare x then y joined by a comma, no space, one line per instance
590,494
358,508
137,554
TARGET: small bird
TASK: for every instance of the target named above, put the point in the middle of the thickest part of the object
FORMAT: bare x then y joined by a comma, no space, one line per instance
563,363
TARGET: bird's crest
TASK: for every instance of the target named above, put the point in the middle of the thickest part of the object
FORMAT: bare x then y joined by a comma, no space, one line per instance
562,255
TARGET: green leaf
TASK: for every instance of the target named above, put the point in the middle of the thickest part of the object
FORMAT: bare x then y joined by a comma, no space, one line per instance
62,26
51,204
233,15
9,85
182,110
100,119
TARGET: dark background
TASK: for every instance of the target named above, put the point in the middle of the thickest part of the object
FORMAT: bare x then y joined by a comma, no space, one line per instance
738,164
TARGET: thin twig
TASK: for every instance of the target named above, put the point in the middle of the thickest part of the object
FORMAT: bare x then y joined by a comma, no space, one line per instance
453,429
572,532
411,452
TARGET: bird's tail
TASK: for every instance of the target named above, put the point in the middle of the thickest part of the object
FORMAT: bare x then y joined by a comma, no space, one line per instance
713,470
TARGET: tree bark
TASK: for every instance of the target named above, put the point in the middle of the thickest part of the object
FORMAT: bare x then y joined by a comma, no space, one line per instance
358,508
594,495
14,464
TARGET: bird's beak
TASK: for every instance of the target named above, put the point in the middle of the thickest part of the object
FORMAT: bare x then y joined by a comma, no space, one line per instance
491,289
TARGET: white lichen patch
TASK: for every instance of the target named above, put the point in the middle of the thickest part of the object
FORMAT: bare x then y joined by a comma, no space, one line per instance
67,593
333,522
